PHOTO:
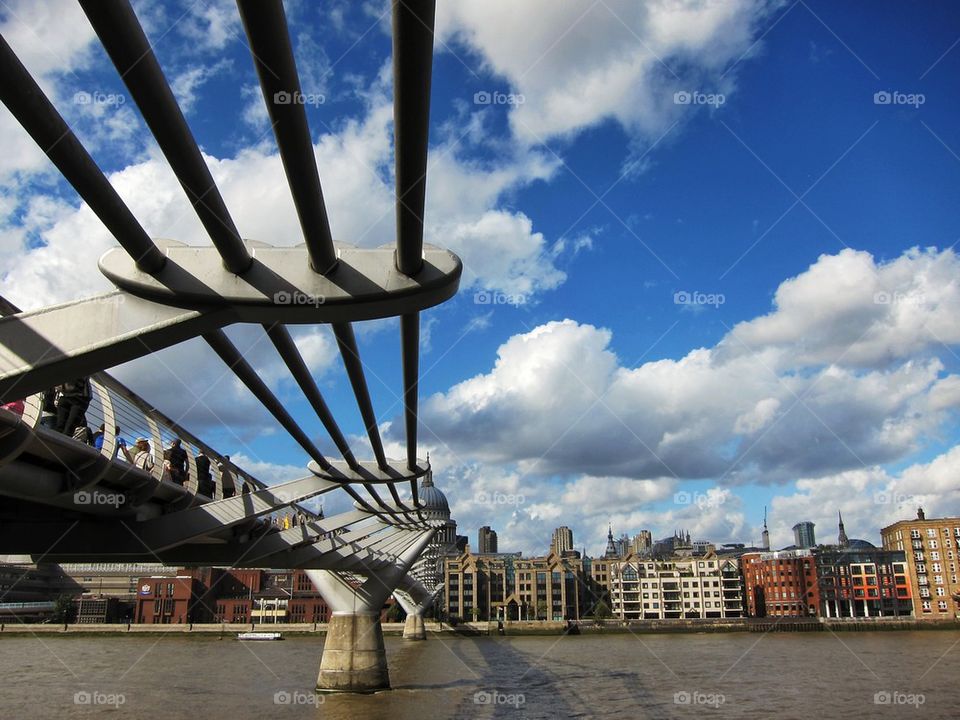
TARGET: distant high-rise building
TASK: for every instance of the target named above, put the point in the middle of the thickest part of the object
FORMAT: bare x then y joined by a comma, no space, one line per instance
803,536
486,540
642,542
562,540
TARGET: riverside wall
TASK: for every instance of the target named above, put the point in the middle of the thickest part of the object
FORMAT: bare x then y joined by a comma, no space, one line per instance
230,630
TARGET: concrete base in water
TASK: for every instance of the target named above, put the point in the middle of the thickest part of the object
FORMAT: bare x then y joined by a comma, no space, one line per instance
354,658
414,629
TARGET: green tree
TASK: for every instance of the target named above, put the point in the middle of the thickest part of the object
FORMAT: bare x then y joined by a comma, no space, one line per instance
395,613
601,612
63,609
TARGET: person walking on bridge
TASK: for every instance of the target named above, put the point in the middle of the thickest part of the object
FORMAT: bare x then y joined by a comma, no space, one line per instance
144,458
226,478
73,399
178,462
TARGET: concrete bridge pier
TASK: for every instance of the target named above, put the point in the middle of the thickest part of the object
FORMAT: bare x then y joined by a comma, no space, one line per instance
413,628
354,656
414,598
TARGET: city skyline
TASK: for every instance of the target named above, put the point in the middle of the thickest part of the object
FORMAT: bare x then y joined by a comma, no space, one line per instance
720,279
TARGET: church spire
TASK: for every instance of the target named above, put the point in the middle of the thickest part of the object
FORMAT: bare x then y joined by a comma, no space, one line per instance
611,550
765,538
842,540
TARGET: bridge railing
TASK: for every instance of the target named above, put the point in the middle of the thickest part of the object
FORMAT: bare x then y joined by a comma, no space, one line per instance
115,418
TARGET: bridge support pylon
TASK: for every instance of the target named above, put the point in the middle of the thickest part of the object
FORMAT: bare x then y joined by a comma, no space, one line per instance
414,598
413,628
354,655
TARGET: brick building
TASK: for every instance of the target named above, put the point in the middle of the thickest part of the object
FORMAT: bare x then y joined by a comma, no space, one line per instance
165,600
782,583
930,550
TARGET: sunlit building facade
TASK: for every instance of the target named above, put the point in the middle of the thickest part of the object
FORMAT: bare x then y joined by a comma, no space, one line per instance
930,550
644,588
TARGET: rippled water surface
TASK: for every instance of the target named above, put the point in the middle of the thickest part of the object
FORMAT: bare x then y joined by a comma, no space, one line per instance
741,675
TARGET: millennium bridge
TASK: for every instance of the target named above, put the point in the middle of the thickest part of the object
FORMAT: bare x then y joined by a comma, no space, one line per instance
66,500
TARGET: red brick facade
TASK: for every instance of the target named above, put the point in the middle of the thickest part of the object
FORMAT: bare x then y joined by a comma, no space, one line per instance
780,584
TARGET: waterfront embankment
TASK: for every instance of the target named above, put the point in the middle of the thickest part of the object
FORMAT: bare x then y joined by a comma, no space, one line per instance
521,628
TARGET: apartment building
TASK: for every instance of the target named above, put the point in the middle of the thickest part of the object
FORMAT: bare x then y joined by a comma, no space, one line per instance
930,548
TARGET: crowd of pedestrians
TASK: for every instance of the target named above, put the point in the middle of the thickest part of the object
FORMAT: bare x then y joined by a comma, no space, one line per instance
64,407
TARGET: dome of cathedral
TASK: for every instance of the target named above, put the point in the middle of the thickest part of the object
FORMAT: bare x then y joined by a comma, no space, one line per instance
431,496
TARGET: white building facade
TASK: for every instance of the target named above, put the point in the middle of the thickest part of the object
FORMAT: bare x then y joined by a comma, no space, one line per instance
682,587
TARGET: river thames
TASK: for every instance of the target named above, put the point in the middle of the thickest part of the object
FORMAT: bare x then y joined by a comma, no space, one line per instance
737,675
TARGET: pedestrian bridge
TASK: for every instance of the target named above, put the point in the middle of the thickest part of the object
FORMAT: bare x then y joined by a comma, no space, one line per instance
68,497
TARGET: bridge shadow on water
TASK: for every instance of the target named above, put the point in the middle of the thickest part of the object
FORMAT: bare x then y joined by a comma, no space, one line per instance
549,678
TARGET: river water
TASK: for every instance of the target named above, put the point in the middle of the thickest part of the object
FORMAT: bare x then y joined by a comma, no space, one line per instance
738,675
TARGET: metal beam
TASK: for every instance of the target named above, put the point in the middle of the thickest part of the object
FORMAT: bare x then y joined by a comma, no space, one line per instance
347,343
228,352
119,30
280,337
412,68
266,26
410,344
42,348
281,287
24,98
181,527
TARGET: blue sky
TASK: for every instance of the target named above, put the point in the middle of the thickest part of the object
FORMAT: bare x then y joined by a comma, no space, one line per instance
811,221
